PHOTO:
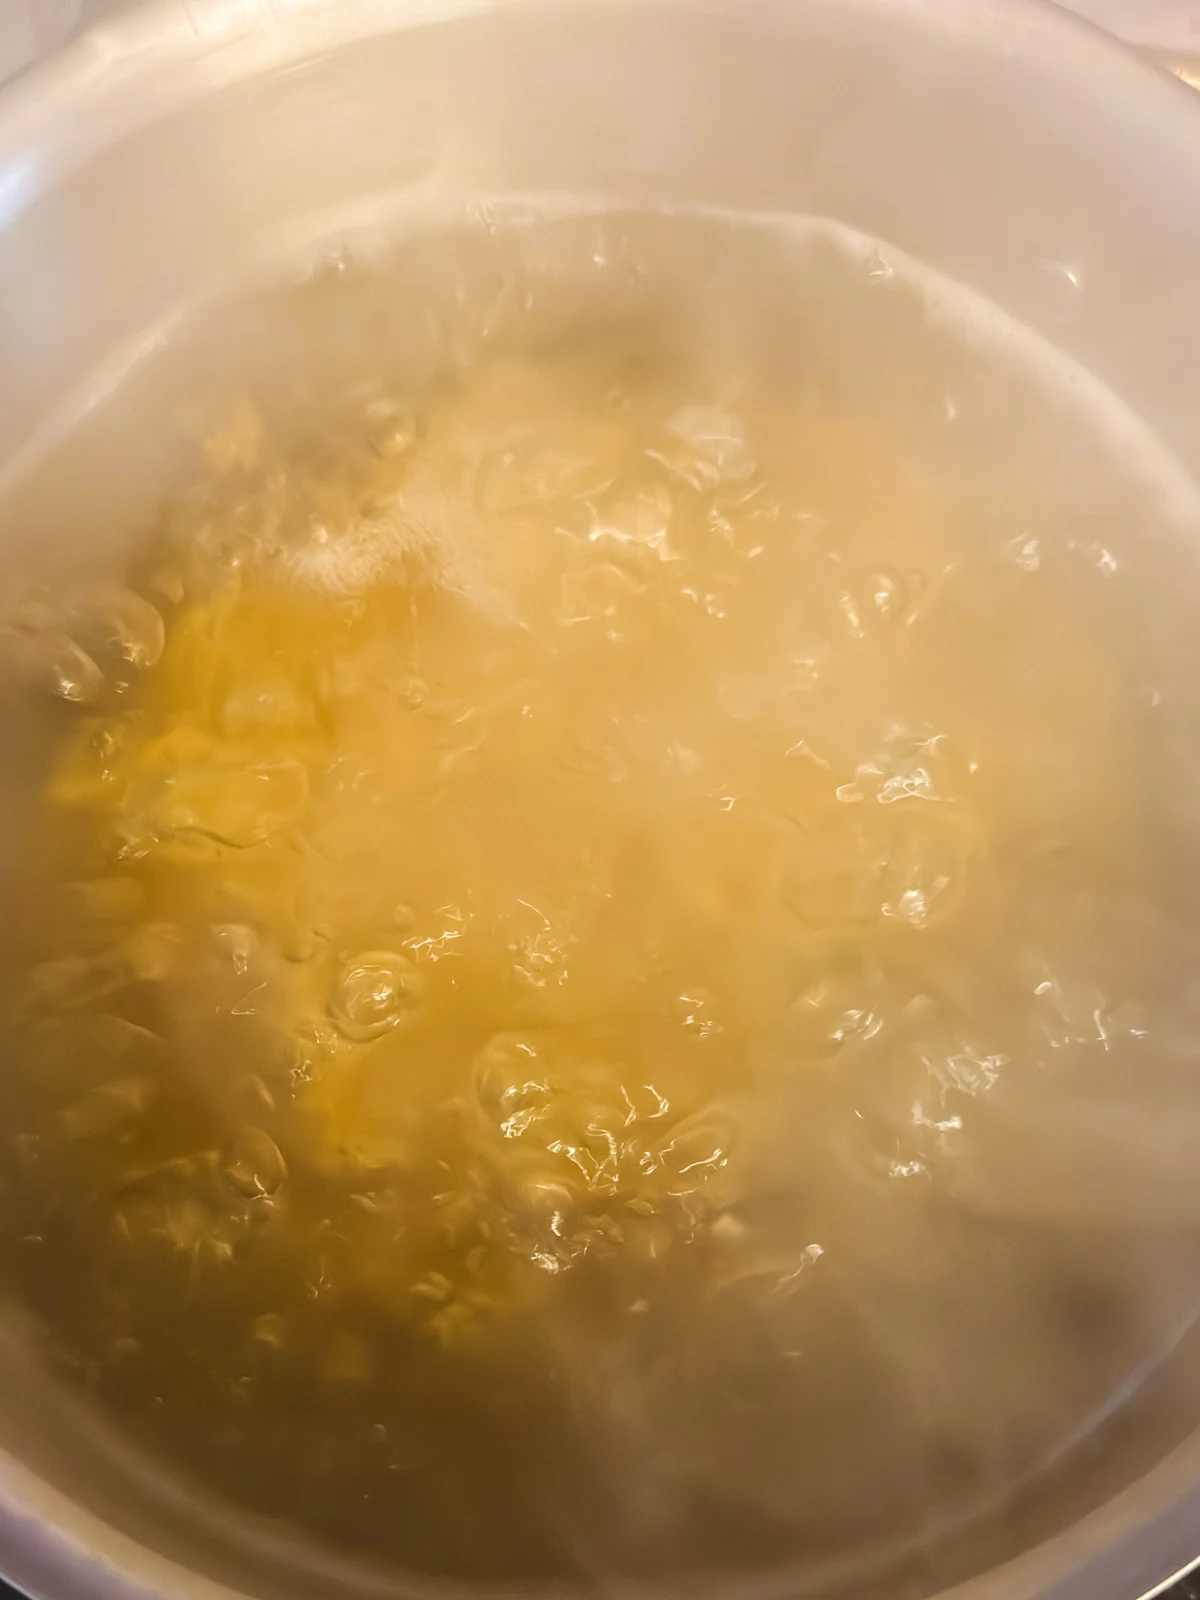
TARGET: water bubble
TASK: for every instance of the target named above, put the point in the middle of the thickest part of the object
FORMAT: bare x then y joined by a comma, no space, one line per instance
188,1226
852,614
537,951
439,936
598,594
542,1210
434,1286
1097,555
90,765
765,1273
238,941
1026,553
887,596
253,1164
313,1045
923,872
717,451
1069,1010
167,581
696,1014
712,602
525,1105
229,801
299,940
962,1066
391,427
375,991
152,951
695,1152
68,671
120,623
270,1330
508,1077
837,1012
556,1226
729,1229
910,765
645,1103
637,522
581,1124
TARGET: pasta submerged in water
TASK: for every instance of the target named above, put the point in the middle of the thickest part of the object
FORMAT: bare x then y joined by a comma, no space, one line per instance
597,917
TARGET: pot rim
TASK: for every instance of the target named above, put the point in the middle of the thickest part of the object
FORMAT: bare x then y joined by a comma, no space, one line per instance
161,54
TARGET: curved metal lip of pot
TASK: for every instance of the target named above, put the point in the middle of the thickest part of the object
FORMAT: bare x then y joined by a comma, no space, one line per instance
164,53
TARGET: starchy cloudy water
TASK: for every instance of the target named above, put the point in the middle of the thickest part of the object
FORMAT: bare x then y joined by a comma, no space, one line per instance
601,921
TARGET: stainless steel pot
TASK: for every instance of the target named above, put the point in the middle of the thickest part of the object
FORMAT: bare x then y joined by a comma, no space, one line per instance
1009,146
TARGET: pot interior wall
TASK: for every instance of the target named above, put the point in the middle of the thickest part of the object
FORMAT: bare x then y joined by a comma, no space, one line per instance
996,143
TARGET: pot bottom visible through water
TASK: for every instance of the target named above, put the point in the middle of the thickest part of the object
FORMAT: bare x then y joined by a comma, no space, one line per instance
601,984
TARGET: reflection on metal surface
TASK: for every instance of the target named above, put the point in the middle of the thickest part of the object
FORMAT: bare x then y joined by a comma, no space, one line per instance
1167,26
28,28
1183,1586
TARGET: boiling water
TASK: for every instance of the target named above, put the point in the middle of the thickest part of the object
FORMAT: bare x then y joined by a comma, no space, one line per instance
599,935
